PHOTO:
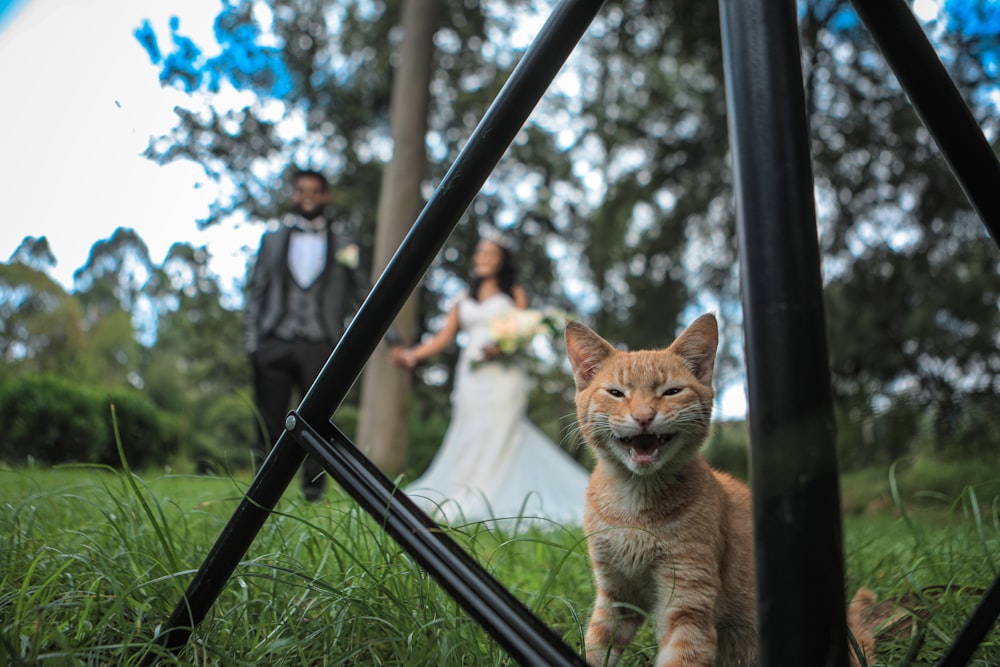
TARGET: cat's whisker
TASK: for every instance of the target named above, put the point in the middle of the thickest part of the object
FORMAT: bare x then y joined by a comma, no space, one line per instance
652,492
571,432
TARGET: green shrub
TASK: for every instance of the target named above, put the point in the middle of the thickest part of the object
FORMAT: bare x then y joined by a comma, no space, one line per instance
933,478
50,420
229,434
965,427
146,437
54,420
347,417
728,448
924,480
425,437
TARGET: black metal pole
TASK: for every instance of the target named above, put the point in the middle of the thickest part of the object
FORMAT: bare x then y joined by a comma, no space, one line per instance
521,633
938,103
505,117
960,138
796,497
975,629
491,138
277,471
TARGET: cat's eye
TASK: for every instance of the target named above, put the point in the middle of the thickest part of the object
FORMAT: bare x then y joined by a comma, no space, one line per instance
617,393
673,391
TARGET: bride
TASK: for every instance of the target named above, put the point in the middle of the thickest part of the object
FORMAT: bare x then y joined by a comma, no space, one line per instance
494,465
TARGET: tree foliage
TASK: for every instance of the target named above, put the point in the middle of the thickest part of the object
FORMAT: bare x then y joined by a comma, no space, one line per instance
52,419
912,286
616,192
86,346
41,327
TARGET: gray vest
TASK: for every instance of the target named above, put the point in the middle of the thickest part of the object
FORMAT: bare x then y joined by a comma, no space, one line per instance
301,318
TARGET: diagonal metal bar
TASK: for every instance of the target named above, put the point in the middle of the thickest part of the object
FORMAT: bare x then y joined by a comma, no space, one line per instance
942,109
505,117
798,546
975,629
938,102
521,633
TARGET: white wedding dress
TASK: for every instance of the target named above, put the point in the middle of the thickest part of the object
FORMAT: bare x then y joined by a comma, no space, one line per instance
494,465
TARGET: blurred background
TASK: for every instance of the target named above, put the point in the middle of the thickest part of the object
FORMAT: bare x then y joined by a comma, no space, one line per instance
146,145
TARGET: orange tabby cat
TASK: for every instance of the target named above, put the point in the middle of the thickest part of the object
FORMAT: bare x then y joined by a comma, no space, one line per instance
668,535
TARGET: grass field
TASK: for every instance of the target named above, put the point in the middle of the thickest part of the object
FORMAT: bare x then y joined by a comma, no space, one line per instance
93,560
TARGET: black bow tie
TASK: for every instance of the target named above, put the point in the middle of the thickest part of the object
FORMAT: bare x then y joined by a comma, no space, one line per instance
308,230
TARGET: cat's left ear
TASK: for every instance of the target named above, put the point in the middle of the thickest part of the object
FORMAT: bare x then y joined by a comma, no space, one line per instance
586,351
697,346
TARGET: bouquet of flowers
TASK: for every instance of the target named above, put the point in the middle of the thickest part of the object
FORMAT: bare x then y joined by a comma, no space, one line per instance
514,331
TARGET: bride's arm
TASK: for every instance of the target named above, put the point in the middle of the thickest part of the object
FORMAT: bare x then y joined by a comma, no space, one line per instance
409,357
520,298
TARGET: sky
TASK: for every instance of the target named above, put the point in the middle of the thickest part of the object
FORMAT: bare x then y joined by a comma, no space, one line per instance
81,101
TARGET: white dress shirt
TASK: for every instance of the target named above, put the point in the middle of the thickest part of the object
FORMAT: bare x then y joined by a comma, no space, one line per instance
307,255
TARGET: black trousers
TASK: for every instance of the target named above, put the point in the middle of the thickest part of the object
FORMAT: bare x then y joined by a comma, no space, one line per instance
280,368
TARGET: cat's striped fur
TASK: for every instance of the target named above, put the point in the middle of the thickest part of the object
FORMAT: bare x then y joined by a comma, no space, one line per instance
668,536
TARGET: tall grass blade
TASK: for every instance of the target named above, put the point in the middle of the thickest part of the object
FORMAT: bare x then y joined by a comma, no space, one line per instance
160,529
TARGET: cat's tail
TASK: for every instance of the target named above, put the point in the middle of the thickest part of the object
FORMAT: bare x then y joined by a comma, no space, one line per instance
861,621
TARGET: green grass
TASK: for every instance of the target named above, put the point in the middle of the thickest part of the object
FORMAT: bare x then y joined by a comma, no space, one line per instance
920,481
93,560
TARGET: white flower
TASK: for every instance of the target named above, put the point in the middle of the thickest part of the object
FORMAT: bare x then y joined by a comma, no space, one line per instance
349,256
514,331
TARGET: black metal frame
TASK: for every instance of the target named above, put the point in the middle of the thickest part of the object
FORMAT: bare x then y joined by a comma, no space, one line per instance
796,494
798,540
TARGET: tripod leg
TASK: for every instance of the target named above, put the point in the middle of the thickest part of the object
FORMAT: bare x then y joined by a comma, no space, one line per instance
796,504
975,630
524,636
494,134
938,102
277,472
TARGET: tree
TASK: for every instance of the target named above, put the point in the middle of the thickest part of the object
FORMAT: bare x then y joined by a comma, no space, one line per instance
192,369
630,159
41,327
198,351
34,252
911,277
113,277
335,59
320,95
617,191
116,313
197,367
382,429
87,335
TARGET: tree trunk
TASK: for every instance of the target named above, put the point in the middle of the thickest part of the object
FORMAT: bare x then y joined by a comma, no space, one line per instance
382,428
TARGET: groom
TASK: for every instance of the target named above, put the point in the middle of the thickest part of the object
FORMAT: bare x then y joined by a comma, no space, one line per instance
304,285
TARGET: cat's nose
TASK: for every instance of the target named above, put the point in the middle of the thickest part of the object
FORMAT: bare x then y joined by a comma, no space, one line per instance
644,418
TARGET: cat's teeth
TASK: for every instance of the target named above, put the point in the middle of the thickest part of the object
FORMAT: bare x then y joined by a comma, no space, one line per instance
662,438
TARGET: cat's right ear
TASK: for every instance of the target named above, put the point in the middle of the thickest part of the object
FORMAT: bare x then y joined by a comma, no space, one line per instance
586,351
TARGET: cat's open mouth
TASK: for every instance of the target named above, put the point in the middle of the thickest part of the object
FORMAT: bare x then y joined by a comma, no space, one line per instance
644,448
